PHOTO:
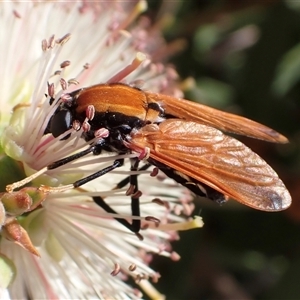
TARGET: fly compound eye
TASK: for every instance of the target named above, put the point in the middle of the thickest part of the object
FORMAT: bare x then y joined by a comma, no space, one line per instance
60,123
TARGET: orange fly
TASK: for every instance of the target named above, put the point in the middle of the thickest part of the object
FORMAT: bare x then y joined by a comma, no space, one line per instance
183,139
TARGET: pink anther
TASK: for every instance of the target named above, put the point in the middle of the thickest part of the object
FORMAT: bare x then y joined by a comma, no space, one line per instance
101,133
90,112
144,154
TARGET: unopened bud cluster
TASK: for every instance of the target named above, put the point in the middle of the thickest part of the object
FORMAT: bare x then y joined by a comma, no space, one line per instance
12,207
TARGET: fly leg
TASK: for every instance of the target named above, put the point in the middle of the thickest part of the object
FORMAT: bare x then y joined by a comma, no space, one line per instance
135,226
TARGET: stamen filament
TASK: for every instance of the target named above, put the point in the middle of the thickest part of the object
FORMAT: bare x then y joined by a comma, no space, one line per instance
17,184
140,57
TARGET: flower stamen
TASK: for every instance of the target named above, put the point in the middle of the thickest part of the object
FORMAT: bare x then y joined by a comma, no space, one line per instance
116,270
15,185
140,57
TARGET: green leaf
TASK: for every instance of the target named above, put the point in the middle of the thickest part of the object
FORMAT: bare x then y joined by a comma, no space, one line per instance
212,92
288,71
10,171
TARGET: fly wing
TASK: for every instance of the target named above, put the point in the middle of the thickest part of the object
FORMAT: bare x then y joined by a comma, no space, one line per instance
191,111
221,162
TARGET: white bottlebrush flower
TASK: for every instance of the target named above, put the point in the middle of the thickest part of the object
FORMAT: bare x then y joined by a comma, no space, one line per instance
78,250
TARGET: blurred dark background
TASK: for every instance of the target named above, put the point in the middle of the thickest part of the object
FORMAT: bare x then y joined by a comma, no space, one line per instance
244,57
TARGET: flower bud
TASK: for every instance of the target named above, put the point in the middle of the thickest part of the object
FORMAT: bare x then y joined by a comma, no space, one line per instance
13,231
37,196
16,203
